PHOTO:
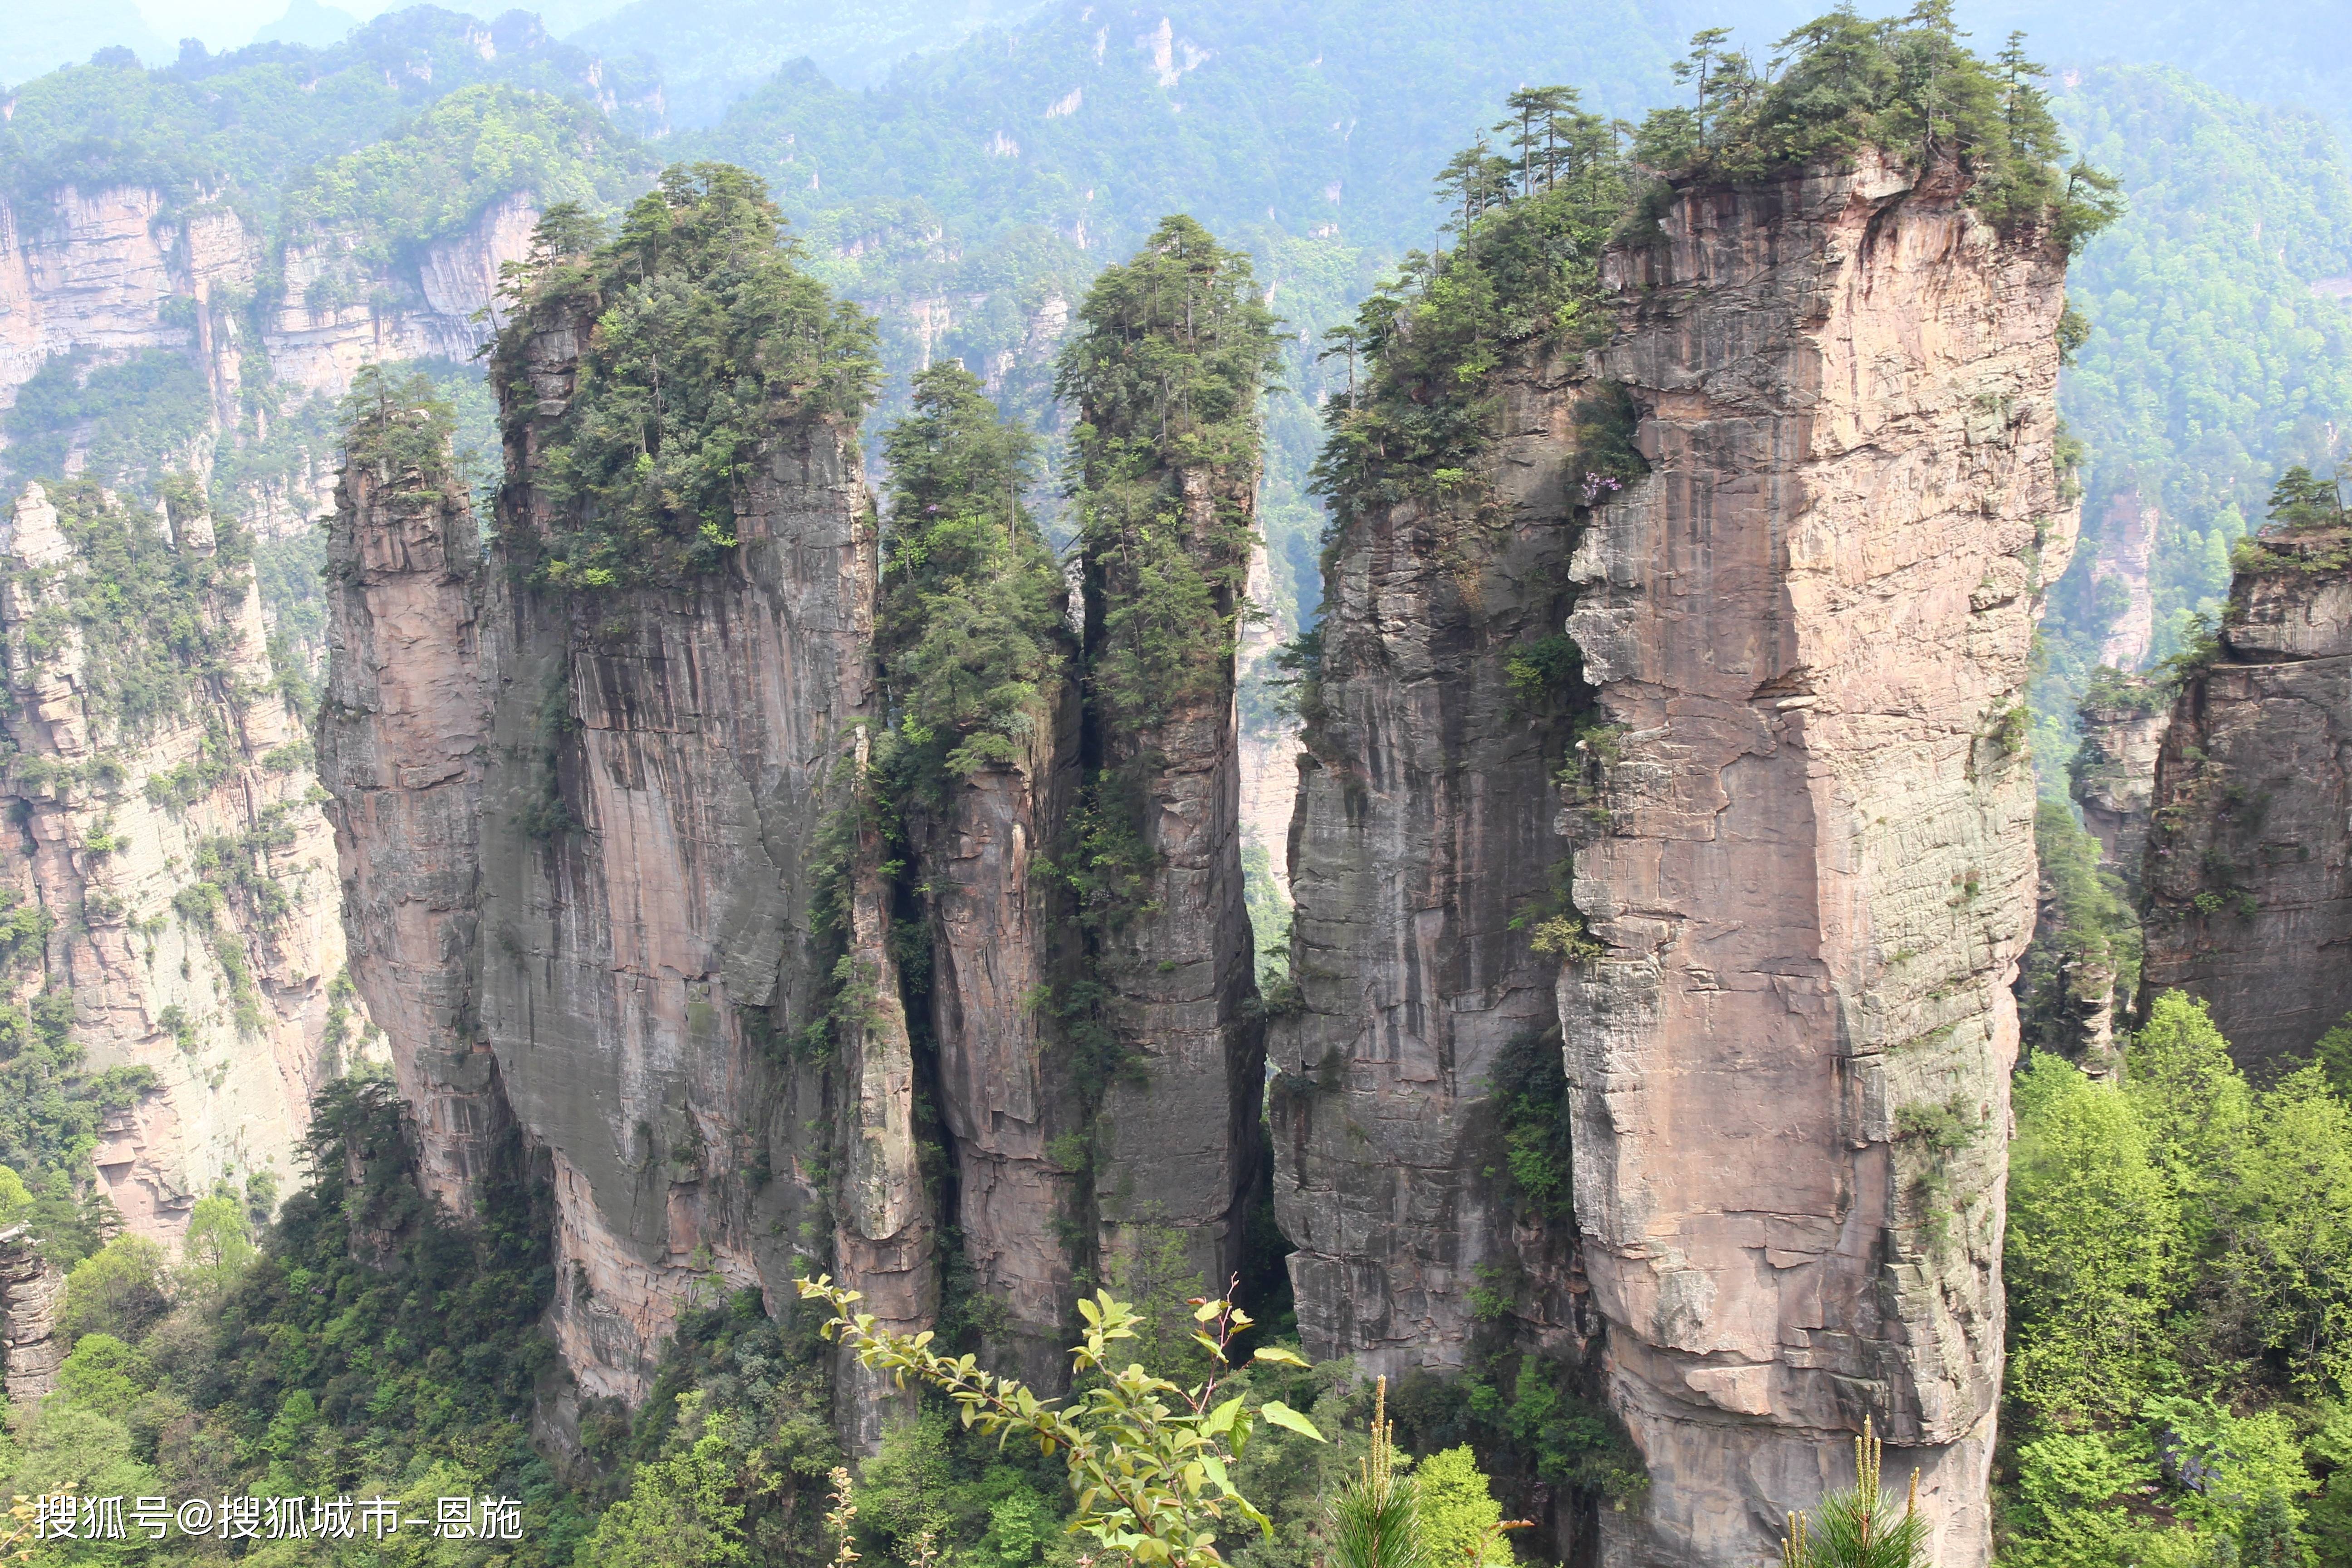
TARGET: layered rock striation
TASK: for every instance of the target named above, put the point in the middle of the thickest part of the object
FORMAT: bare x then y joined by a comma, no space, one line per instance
404,743
1421,841
1809,628
167,816
2248,877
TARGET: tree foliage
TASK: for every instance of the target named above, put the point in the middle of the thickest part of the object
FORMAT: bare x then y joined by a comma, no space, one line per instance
2179,1270
972,628
704,335
1905,85
1173,350
1150,1461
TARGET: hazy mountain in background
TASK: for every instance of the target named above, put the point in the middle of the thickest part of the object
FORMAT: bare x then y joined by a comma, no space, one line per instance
42,35
308,22
714,52
2284,51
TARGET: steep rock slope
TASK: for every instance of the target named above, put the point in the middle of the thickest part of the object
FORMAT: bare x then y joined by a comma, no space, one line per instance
2248,879
121,268
1000,939
1809,626
652,817
2114,773
168,818
403,744
1423,834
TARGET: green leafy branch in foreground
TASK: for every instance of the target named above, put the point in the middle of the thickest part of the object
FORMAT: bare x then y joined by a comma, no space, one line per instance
1147,1458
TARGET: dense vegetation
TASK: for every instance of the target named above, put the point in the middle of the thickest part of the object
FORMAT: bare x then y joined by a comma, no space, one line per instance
703,335
2216,357
1906,86
971,629
250,120
2179,1273
1172,350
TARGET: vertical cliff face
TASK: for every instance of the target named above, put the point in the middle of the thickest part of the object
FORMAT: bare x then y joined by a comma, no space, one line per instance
1164,372
2114,773
32,1294
404,738
1001,941
2248,879
1178,1143
99,270
1809,627
165,808
1422,837
663,768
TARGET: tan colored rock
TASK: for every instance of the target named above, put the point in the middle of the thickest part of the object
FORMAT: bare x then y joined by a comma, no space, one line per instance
2127,540
2249,871
32,1295
1423,833
2113,772
1809,625
225,998
403,737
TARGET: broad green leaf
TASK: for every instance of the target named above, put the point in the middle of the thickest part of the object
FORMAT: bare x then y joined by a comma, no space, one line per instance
1277,1353
1283,1415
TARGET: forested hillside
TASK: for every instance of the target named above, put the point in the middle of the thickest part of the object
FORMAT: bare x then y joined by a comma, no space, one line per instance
2220,354
1380,219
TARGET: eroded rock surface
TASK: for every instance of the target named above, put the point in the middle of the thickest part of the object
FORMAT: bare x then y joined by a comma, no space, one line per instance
1423,836
1809,626
404,741
2248,878
1001,935
163,802
2114,773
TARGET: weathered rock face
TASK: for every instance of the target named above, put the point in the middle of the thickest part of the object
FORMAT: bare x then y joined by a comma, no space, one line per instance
404,741
1178,1146
582,836
2114,773
662,770
32,1294
1001,935
99,270
1423,834
1809,625
177,846
2248,879
2126,539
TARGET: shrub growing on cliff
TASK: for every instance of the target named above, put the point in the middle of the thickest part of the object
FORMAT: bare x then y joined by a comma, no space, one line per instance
703,335
1150,1461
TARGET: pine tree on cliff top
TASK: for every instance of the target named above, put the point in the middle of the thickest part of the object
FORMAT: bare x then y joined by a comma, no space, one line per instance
970,627
704,335
1173,351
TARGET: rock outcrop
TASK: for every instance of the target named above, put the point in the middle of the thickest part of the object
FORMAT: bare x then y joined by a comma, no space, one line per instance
2248,879
403,742
102,270
167,819
587,836
1001,940
1423,837
1178,1144
2113,775
1809,628
32,1293
663,767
